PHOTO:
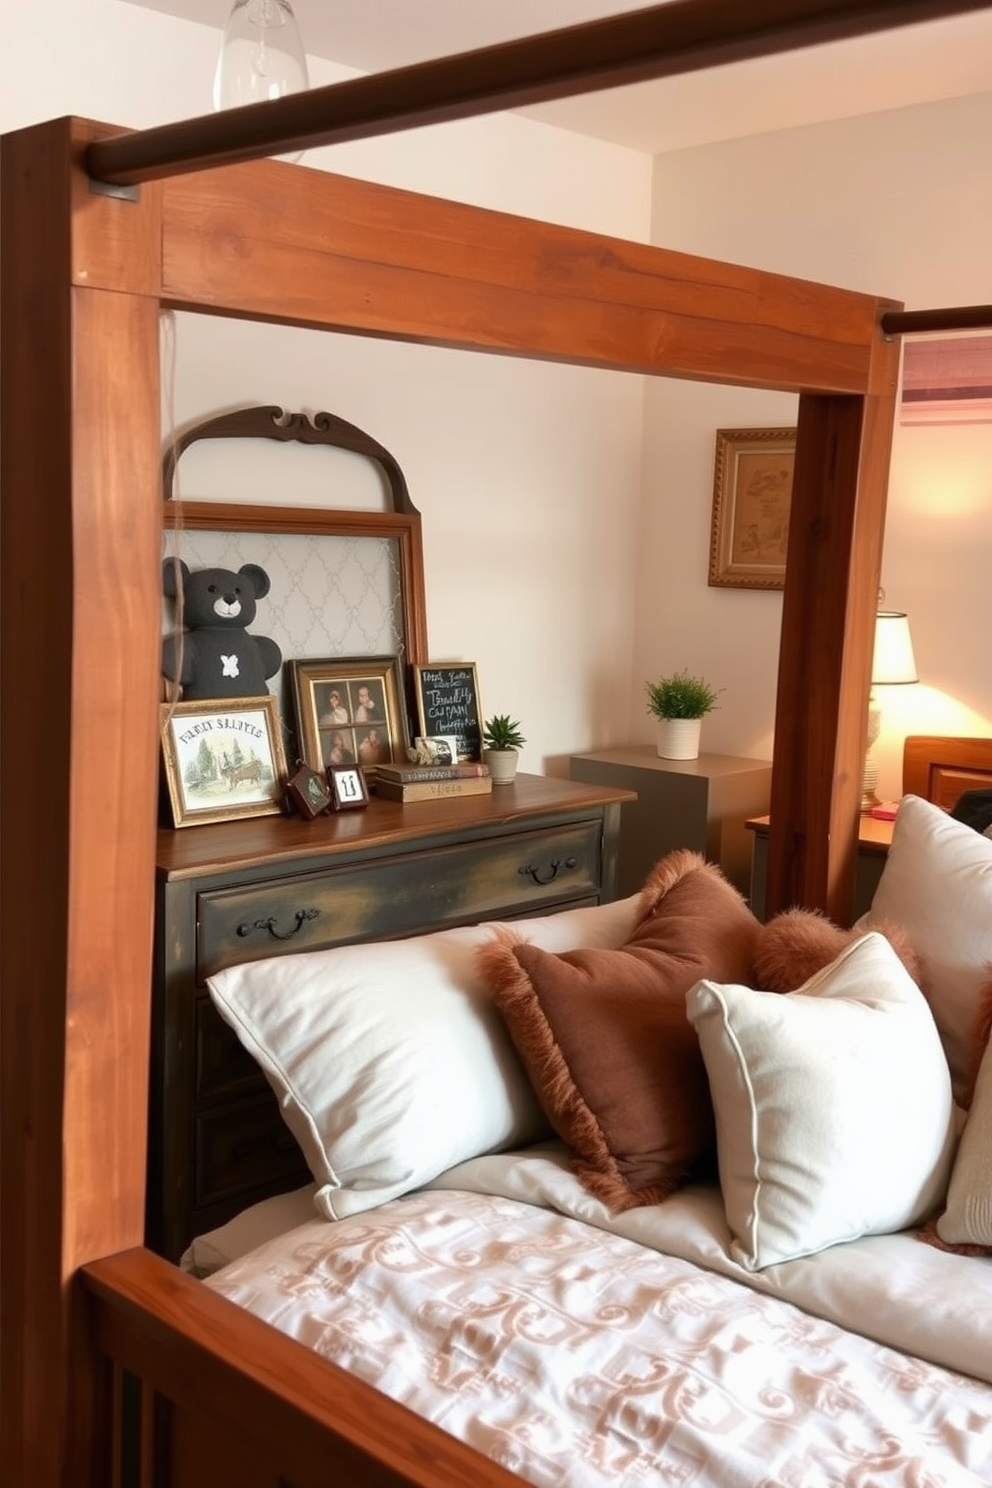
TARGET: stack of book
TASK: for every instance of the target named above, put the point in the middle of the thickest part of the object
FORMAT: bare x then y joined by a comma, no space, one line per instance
431,782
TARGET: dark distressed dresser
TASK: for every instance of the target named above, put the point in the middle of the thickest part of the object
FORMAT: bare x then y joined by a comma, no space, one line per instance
236,891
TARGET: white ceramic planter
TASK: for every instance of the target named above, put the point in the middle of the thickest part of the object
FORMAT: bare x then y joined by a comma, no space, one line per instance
502,764
678,738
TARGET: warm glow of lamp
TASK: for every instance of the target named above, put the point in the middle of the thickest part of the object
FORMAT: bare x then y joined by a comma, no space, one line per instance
261,55
893,664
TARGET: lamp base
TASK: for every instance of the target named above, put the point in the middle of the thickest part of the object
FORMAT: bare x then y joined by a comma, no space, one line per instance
869,778
869,794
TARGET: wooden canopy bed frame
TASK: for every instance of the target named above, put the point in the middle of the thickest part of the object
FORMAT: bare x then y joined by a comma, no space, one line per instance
102,230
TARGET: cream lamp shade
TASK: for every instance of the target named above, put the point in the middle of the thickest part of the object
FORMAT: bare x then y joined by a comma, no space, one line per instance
893,664
893,661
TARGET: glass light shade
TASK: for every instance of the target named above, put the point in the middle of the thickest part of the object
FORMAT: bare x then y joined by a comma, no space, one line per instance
893,661
261,55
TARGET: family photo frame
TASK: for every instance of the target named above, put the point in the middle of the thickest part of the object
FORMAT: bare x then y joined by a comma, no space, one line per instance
223,759
349,712
752,496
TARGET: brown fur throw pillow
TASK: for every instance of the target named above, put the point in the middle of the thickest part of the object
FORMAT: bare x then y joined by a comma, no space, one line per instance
604,1036
796,944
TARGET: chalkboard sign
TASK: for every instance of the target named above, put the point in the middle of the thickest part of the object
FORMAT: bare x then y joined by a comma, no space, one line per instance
448,703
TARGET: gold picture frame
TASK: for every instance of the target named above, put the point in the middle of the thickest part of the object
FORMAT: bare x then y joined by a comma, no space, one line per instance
752,495
223,759
350,710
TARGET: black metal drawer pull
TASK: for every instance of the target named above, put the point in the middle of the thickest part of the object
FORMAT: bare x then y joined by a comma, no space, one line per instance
535,873
302,915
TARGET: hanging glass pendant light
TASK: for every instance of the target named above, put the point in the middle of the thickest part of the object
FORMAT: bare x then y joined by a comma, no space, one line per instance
261,55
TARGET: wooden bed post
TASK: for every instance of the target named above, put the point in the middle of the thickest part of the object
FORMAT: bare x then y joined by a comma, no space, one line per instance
828,617
81,543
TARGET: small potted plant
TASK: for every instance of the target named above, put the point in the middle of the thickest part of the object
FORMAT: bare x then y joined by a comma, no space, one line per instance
501,738
680,703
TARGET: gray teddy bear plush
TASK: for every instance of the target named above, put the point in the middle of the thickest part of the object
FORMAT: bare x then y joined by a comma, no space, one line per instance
219,659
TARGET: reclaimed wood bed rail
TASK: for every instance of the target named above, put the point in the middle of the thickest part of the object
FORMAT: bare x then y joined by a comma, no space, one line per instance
224,1401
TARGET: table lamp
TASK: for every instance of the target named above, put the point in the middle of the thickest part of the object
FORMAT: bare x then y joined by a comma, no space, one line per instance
893,664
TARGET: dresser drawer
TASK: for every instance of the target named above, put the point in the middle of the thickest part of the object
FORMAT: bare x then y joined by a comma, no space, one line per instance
241,1147
224,1068
399,895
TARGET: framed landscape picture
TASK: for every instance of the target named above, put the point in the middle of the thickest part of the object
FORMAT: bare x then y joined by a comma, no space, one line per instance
223,759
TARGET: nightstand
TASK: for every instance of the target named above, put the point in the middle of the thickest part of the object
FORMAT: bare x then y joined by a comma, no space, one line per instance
702,804
874,838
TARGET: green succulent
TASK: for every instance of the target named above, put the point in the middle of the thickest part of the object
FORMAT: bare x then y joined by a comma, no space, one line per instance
681,696
502,732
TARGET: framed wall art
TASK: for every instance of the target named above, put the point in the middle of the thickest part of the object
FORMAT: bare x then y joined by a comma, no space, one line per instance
223,759
448,705
752,495
349,711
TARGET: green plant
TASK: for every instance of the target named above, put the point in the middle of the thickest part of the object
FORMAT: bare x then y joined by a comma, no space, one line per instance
502,732
681,696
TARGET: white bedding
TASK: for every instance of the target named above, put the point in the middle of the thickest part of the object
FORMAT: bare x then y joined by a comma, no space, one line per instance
492,1317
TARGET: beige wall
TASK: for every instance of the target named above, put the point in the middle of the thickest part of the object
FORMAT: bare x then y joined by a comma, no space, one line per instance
897,204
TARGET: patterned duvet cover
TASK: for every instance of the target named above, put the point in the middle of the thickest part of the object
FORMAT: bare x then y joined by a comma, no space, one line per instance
508,1307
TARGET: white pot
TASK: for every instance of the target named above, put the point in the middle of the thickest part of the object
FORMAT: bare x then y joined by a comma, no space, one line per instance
502,764
678,738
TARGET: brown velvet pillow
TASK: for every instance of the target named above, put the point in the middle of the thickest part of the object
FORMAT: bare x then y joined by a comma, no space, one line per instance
796,944
604,1037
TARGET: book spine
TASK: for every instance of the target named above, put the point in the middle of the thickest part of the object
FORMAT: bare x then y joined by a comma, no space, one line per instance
418,774
433,790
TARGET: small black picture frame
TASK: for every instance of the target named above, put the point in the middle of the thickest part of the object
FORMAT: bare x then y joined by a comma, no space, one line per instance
309,792
349,789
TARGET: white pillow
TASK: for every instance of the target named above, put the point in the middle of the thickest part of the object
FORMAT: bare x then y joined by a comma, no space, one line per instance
390,1060
937,885
833,1105
967,1220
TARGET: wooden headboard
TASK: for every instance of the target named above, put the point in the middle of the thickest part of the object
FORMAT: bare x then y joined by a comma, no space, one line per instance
941,769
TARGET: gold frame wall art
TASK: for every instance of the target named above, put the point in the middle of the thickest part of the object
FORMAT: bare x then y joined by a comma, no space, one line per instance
223,759
752,495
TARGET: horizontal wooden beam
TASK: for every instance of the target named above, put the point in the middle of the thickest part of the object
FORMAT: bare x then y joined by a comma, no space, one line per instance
683,36
276,242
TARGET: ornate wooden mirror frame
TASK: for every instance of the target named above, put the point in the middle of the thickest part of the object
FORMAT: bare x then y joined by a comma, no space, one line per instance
402,523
